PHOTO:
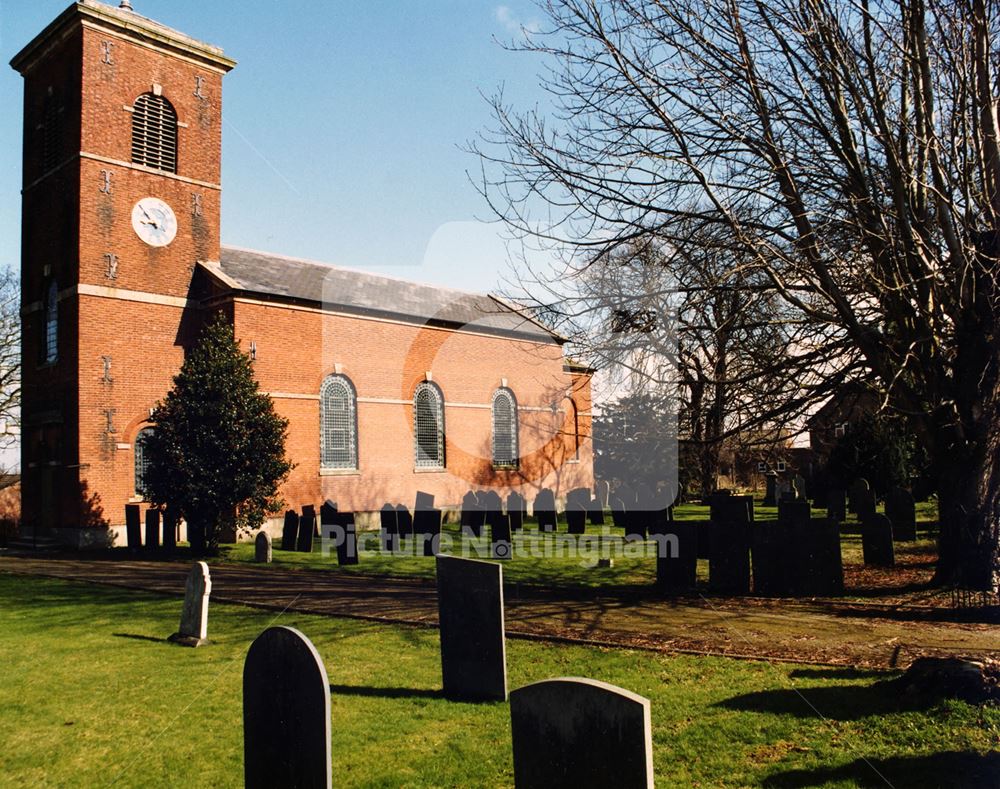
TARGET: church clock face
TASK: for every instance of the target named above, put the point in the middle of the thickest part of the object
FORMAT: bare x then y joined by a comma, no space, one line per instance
154,222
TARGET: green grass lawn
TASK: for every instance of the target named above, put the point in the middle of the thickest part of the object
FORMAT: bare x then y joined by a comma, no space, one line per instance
91,695
540,565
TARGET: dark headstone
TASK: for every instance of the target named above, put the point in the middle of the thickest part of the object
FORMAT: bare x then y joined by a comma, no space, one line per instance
619,515
404,521
858,488
388,528
729,555
576,518
820,569
470,517
864,501
795,514
876,541
575,732
773,553
169,530
152,529
427,529
262,548
578,497
677,558
133,527
290,531
307,529
517,508
501,546
545,510
836,504
799,487
595,512
424,501
286,713
771,492
901,509
602,491
193,631
327,514
346,535
470,612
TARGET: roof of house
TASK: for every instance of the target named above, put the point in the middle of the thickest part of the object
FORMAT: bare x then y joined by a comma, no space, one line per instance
359,292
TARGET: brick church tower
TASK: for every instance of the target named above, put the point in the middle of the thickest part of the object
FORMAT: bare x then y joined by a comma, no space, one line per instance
121,197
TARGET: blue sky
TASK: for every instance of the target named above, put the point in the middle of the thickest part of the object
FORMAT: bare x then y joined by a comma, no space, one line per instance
342,126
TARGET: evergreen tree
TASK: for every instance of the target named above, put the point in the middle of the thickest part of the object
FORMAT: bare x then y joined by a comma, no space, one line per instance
217,451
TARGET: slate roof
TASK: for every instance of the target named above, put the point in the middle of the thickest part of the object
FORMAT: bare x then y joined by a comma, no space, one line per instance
347,290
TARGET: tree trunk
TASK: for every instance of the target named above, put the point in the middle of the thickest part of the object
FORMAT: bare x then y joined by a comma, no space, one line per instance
969,515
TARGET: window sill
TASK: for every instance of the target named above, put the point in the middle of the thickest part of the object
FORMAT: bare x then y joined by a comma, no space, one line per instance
506,466
574,461
339,472
429,470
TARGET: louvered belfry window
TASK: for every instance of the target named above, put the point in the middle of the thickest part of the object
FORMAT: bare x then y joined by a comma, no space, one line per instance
504,429
338,424
428,426
154,133
52,323
141,460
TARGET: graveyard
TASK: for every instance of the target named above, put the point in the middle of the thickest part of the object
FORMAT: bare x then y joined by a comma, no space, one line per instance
92,693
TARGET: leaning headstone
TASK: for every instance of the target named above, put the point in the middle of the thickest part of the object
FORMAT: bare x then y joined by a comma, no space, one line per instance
855,490
799,487
262,548
389,529
424,501
876,541
290,531
901,509
286,713
169,530
193,631
470,613
575,732
133,527
545,510
152,529
307,529
327,514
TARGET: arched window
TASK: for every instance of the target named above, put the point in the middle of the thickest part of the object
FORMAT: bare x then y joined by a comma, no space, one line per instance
52,323
573,426
141,460
154,133
428,426
504,428
338,437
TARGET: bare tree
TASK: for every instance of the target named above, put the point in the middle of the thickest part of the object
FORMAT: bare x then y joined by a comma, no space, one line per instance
852,150
10,359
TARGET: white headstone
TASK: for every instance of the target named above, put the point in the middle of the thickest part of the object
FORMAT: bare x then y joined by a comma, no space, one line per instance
194,616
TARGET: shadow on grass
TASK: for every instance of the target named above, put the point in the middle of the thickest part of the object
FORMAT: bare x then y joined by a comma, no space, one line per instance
837,673
386,693
947,769
838,702
137,637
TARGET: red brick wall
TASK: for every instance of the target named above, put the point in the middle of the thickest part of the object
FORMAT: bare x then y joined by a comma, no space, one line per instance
385,361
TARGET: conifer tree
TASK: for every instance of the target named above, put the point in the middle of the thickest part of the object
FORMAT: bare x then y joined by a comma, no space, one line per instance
217,451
